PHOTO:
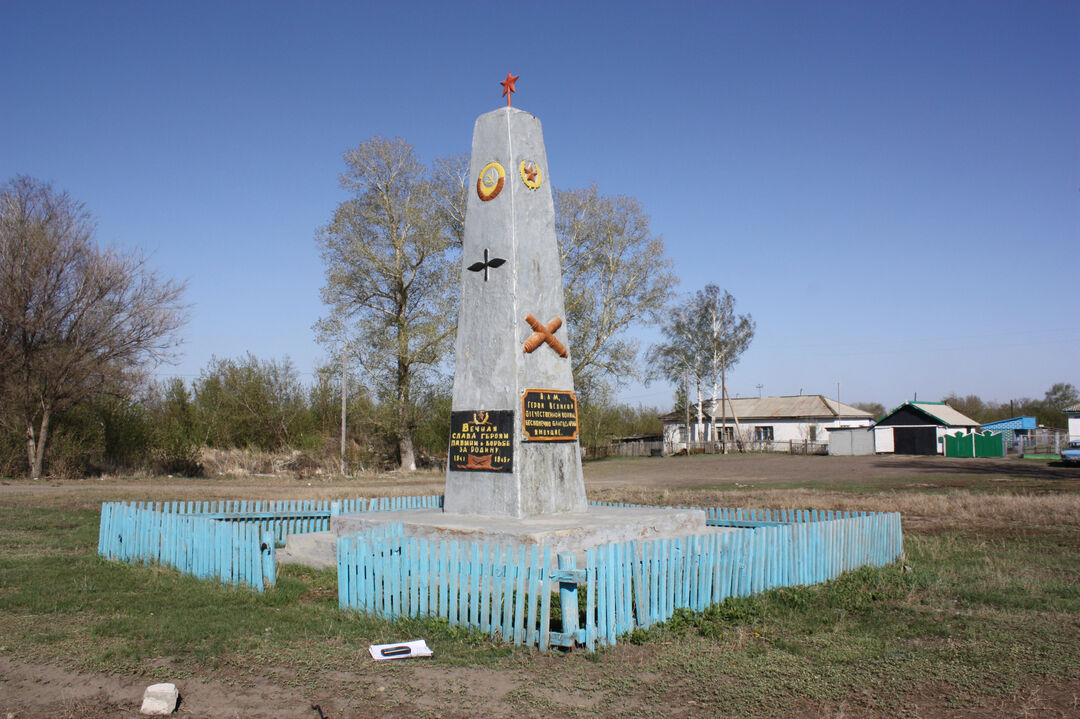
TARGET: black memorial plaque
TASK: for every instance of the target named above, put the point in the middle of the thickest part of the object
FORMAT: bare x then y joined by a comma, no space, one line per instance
549,415
482,441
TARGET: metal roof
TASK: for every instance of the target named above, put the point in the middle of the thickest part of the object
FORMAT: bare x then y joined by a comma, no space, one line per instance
944,413
803,406
1072,409
1011,423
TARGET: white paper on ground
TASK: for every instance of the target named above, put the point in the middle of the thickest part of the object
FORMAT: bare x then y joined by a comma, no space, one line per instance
417,648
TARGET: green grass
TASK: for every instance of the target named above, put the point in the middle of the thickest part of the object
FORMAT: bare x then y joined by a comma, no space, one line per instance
973,616
966,613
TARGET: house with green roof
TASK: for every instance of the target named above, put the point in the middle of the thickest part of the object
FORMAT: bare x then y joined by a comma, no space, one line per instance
919,428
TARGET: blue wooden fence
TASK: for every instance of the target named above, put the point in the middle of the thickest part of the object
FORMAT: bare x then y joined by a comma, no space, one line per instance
744,517
233,553
232,540
505,590
285,517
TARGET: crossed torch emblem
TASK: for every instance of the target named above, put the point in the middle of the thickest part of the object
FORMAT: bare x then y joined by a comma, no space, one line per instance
544,333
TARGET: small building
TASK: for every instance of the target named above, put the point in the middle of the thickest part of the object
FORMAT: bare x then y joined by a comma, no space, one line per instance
1072,413
851,441
778,424
1013,430
919,428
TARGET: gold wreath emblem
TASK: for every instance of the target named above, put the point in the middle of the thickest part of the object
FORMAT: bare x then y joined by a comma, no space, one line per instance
490,182
480,418
531,175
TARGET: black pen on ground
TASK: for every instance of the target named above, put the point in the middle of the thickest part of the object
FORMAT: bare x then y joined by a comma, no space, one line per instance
398,651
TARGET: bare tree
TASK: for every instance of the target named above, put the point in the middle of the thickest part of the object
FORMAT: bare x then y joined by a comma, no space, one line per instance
724,337
704,338
679,360
391,274
615,275
75,320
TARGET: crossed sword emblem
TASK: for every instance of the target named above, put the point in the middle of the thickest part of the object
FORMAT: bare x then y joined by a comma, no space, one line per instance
544,333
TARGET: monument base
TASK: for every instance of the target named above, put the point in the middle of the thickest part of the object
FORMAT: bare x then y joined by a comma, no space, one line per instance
570,532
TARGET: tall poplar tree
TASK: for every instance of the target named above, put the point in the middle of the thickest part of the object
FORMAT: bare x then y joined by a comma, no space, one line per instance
390,254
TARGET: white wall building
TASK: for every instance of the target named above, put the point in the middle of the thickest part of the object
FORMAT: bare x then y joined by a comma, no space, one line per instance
1073,415
778,424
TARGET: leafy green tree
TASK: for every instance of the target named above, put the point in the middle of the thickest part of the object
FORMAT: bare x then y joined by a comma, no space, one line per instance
367,439
176,429
391,277
252,403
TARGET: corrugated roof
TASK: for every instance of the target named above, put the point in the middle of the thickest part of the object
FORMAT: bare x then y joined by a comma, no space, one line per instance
945,413
1011,423
793,407
1073,408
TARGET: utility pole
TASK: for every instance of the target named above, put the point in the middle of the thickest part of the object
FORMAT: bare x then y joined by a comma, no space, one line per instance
759,386
686,384
344,392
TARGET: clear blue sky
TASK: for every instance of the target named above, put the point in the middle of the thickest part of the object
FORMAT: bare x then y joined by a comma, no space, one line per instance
892,190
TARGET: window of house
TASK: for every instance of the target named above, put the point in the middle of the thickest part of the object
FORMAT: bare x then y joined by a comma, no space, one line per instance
763,434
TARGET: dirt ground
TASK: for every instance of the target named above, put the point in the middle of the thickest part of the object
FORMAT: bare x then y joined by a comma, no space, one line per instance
396,689
718,472
681,473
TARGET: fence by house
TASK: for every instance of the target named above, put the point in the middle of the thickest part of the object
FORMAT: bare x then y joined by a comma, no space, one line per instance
792,446
974,444
636,448
506,590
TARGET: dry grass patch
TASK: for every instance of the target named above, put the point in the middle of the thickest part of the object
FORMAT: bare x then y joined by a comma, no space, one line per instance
922,511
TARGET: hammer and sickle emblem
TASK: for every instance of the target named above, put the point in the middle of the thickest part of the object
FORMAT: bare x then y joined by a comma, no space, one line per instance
544,333
489,182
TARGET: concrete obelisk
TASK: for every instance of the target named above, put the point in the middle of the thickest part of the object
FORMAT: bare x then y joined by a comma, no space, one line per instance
513,444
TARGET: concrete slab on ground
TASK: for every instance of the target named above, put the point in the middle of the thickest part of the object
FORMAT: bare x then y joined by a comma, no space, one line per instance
317,550
572,531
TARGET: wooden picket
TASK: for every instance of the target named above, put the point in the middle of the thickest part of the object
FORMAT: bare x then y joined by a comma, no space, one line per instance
285,517
505,590
230,553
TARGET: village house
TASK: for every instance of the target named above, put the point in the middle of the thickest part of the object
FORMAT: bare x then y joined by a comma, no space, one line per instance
920,428
796,423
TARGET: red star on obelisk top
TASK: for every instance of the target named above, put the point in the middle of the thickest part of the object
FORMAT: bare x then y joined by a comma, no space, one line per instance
508,86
